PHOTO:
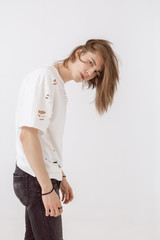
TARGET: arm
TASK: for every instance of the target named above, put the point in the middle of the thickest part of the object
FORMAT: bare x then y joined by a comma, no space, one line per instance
32,149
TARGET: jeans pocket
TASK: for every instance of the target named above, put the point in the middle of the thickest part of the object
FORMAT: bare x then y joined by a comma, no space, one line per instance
20,186
55,184
38,187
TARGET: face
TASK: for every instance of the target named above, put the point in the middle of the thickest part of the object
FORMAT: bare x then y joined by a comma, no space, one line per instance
90,66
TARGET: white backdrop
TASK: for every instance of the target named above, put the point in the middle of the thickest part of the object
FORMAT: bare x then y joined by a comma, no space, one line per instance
111,162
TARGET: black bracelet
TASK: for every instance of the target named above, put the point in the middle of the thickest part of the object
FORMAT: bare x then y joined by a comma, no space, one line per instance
63,176
48,192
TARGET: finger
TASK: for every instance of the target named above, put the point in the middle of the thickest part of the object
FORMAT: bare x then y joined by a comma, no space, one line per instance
60,209
70,195
59,205
66,201
70,198
67,195
62,196
47,211
52,212
56,211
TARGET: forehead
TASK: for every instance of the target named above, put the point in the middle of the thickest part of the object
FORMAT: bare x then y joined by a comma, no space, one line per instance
97,58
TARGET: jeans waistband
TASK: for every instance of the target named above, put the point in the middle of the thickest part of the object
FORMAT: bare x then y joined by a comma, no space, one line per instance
20,172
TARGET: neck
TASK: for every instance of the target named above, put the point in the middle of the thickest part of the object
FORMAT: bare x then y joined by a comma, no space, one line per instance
65,73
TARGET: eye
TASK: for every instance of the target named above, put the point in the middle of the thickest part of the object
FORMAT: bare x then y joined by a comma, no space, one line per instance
90,62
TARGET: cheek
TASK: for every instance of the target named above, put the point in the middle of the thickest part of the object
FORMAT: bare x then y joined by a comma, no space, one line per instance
80,65
84,68
78,69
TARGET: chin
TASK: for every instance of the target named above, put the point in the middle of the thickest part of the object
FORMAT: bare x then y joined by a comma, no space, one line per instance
78,81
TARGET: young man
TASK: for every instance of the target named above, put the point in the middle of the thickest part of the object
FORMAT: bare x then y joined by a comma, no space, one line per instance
40,119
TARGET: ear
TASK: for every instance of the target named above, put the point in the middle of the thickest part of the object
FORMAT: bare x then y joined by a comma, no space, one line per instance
78,51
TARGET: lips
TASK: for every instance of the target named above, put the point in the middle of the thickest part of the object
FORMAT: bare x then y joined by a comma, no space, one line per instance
82,76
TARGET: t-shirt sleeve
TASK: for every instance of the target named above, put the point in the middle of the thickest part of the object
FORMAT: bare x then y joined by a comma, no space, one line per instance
35,101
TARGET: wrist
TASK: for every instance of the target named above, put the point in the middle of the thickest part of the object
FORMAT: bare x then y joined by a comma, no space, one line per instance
46,188
63,175
46,193
64,179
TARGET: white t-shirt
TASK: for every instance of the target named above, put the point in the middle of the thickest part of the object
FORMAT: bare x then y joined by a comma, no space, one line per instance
42,104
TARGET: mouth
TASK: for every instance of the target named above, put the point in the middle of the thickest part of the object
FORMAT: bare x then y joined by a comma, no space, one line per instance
82,76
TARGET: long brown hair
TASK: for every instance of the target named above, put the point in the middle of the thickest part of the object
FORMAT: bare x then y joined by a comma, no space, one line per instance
106,83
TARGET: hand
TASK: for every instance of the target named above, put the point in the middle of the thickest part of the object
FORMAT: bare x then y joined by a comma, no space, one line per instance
66,190
51,203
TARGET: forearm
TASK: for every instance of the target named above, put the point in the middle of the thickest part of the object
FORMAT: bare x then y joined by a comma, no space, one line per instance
32,149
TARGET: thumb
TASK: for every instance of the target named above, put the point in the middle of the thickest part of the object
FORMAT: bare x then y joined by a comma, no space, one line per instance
62,196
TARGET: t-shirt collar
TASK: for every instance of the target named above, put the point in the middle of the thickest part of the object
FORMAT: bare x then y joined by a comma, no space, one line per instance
58,75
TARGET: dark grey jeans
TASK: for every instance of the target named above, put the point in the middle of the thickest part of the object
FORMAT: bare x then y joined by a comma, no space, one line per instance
38,226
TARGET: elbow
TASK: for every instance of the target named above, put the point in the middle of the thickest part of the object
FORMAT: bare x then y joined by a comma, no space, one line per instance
28,131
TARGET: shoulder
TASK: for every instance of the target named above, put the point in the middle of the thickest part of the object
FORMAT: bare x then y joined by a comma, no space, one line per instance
41,76
44,71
